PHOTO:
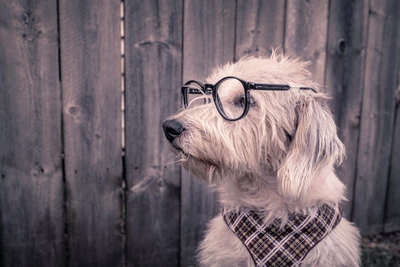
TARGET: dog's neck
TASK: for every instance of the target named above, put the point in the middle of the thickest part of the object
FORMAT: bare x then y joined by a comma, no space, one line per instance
262,194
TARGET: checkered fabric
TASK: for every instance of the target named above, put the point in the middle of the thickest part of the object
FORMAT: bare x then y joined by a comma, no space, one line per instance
269,245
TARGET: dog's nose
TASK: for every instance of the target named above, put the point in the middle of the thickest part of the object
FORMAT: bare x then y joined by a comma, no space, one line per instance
172,129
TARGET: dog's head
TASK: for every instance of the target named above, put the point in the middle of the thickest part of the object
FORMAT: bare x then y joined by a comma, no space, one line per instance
286,134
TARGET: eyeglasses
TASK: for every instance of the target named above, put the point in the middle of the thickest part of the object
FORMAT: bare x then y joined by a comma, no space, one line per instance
231,95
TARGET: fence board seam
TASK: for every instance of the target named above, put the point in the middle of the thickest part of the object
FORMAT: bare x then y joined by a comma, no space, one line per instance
124,207
65,193
284,26
235,31
351,216
124,189
327,46
180,168
326,43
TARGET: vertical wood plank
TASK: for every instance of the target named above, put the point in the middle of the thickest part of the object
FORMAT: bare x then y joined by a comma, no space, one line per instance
377,115
306,33
348,22
209,35
259,27
392,220
90,57
153,79
31,186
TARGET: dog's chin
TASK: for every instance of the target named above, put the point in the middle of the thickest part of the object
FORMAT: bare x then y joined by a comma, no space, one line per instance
187,156
195,165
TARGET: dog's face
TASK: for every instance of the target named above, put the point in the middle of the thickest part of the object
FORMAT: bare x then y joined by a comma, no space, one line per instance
288,135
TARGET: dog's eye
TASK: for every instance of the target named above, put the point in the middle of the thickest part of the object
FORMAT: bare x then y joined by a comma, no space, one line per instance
240,101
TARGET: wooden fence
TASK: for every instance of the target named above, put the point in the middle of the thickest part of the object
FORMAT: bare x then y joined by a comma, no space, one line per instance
70,195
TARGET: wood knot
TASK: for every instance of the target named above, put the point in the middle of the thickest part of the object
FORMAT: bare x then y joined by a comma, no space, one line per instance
73,111
31,36
28,18
31,33
76,112
341,46
355,119
160,182
37,170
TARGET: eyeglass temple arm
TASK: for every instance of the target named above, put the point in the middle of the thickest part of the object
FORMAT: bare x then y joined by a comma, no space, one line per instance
276,87
194,91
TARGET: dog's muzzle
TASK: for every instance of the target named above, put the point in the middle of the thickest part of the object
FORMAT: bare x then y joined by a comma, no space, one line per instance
172,129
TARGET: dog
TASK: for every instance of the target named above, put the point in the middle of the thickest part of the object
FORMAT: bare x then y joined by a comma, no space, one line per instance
261,133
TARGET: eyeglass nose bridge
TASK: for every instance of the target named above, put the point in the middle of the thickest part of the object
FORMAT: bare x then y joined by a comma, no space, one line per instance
208,89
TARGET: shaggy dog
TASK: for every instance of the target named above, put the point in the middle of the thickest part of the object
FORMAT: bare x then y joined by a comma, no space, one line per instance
276,160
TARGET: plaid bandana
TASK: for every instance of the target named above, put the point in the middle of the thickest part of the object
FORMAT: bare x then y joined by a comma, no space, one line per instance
271,246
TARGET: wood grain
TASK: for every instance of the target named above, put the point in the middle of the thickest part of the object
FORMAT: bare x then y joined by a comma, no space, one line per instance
392,207
208,42
377,118
31,185
90,58
306,33
153,35
348,21
259,27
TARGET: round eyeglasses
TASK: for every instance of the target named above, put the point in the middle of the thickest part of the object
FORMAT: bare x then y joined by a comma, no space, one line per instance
231,95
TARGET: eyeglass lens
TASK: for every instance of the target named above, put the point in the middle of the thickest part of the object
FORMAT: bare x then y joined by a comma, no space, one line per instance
231,97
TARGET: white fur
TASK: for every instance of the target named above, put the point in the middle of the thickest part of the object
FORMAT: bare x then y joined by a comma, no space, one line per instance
278,159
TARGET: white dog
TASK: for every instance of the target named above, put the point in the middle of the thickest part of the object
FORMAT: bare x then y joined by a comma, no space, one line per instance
261,132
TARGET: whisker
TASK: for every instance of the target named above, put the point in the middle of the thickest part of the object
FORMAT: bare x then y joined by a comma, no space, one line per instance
181,159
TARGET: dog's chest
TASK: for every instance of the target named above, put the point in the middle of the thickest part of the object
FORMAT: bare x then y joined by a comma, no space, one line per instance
273,245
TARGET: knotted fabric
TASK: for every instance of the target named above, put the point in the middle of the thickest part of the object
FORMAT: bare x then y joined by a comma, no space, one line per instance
273,245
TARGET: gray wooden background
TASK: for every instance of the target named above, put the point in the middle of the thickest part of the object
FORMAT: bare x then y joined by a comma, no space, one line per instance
72,195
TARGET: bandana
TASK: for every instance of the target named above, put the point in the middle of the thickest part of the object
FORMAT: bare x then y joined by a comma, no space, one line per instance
273,245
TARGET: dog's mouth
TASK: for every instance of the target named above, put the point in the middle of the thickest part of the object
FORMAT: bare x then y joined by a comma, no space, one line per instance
185,156
178,149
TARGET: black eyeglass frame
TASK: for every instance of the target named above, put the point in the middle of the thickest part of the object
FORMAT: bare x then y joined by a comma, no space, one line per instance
213,89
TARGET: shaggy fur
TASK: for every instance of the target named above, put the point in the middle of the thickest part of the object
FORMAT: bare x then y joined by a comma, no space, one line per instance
278,159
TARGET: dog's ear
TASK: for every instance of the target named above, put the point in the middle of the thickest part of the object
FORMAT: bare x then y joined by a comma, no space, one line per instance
314,149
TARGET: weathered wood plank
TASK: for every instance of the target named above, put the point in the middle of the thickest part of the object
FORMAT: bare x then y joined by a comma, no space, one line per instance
259,27
377,115
392,220
209,41
153,78
348,22
306,33
31,186
90,57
